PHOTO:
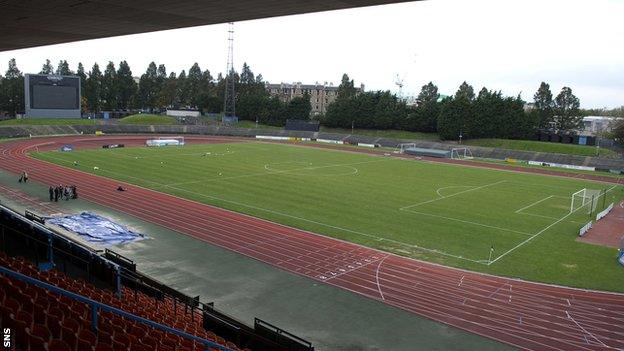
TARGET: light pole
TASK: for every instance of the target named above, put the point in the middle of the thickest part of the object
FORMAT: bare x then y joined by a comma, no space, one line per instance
460,136
352,126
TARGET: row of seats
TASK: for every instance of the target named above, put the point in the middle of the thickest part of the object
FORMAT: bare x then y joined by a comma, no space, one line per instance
44,320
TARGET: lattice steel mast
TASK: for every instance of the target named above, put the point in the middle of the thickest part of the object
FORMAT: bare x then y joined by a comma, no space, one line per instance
229,108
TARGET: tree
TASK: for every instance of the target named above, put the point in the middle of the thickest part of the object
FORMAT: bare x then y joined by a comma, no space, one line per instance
544,105
12,90
63,69
299,107
109,87
193,85
567,111
424,118
126,86
161,81
148,90
346,89
47,68
93,88
168,92
83,80
452,121
181,90
465,91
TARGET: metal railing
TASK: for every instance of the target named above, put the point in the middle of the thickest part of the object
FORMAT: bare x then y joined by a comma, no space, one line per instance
95,306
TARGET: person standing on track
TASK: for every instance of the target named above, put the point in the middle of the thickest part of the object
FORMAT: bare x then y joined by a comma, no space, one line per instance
25,176
51,191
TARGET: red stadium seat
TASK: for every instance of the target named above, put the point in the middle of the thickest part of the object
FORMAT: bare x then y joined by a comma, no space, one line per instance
41,331
103,347
86,340
35,343
105,337
58,345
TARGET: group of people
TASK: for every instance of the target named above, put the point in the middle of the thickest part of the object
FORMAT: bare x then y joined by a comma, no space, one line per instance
63,192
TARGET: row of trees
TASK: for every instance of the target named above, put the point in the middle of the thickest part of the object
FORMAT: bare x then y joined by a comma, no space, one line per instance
487,114
116,89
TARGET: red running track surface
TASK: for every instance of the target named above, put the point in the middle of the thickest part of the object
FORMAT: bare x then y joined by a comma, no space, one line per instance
527,315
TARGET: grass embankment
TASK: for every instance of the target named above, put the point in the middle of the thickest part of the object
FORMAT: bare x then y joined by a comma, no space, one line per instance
147,119
389,133
541,146
448,214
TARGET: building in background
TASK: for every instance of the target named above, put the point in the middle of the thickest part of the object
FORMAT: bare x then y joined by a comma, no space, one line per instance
321,95
596,125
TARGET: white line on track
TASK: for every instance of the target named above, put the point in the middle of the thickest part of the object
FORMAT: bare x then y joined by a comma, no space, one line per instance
585,331
377,277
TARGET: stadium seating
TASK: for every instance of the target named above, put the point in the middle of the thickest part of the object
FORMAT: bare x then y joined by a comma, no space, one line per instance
44,320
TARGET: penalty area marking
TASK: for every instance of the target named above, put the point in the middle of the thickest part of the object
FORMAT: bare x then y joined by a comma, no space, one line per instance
451,187
535,203
544,229
455,194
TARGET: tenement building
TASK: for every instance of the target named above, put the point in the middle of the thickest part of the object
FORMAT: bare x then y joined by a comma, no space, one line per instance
321,95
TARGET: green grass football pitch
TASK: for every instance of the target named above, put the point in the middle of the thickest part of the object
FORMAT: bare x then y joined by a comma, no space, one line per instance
499,222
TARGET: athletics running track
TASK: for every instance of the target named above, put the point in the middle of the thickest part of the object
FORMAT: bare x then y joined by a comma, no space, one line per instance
526,315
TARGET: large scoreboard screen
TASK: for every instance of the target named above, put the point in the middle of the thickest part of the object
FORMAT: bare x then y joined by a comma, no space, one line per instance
52,96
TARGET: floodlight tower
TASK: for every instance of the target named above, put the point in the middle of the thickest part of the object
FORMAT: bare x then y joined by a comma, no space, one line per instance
399,82
229,108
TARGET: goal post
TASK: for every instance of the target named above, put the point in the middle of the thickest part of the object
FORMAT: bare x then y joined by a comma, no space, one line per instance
585,197
165,141
405,146
578,199
461,153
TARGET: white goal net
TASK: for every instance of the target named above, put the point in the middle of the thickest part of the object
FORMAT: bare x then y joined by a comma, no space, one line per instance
461,153
165,141
585,198
403,147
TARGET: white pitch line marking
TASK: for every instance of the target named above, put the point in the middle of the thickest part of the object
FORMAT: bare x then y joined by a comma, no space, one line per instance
535,203
452,186
468,222
446,197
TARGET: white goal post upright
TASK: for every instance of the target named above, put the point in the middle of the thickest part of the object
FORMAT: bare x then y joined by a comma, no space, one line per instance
578,199
460,153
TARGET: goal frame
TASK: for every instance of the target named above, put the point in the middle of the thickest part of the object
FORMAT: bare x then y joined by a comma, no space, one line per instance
461,153
583,196
405,146
586,196
153,141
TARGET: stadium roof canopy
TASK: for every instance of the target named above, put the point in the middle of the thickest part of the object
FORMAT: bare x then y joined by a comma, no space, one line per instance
28,23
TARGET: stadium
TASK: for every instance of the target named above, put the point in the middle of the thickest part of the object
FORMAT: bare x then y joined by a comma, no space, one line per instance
196,235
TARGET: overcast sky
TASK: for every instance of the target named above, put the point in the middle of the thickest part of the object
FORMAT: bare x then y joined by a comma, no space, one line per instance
501,44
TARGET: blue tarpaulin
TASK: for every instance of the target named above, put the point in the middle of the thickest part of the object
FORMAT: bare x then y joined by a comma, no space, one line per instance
96,229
